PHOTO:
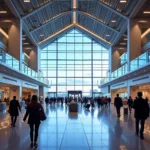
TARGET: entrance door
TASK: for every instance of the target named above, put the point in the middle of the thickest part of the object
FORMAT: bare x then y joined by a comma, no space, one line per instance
75,94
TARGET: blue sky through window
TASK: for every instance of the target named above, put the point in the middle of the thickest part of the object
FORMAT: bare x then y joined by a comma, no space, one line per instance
74,62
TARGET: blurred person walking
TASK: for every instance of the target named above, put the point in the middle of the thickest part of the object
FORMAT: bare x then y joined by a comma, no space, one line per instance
33,111
13,110
118,104
141,113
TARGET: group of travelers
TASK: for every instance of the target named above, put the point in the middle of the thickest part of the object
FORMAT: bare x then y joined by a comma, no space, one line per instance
34,112
141,112
34,109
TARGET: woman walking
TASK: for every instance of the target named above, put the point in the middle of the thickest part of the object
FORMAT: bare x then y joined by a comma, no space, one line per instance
33,110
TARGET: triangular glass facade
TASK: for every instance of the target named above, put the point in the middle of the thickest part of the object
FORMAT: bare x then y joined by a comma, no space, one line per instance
74,62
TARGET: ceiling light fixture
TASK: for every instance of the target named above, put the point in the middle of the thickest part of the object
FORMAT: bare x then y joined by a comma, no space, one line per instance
26,55
74,4
41,34
74,17
4,33
121,48
27,1
113,21
3,12
146,12
56,33
27,48
123,1
122,43
107,35
142,21
145,33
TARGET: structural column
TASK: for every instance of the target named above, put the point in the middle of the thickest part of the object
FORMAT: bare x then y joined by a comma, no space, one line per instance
34,60
115,56
134,40
15,41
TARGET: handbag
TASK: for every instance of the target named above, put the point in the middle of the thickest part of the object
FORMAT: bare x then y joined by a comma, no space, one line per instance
42,115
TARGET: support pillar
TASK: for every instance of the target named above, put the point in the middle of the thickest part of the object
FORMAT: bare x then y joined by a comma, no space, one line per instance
115,59
134,40
33,61
15,41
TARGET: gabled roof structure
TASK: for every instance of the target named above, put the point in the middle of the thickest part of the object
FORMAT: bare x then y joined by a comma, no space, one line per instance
105,20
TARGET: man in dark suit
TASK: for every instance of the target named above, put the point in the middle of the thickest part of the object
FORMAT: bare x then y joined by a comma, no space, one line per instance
118,104
141,113
13,109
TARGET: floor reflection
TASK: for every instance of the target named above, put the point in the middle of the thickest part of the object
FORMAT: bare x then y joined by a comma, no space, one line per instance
96,129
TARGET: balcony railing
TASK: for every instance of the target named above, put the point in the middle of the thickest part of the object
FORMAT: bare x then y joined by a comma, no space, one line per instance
134,64
140,61
12,62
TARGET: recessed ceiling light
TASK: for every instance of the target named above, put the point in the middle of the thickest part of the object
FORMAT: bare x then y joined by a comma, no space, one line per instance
122,43
121,48
4,33
27,48
123,1
143,21
27,1
146,12
113,21
41,34
3,11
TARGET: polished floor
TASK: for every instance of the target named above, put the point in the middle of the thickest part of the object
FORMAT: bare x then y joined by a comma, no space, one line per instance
87,130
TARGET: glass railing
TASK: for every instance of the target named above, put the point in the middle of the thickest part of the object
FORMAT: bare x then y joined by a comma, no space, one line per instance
117,73
140,61
10,61
134,64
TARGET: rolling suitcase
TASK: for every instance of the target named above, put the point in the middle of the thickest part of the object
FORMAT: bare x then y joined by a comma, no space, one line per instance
125,111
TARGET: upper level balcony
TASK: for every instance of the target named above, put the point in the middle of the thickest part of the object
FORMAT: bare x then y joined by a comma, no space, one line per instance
11,62
137,63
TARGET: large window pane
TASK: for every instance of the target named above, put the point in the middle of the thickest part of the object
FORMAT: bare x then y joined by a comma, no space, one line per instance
69,64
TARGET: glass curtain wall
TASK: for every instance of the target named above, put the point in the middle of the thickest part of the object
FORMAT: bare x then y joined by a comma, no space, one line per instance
74,62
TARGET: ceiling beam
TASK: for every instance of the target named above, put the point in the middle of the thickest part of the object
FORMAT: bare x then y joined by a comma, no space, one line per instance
95,35
37,9
11,6
86,31
106,45
42,45
111,9
98,20
137,8
123,30
51,20
56,34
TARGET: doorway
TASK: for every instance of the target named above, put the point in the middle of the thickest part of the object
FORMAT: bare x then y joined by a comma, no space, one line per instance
75,94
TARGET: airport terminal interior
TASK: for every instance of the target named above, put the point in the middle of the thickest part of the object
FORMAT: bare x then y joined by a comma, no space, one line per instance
70,53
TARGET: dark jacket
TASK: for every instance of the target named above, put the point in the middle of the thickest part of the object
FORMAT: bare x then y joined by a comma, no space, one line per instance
130,102
141,108
33,110
118,102
13,108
